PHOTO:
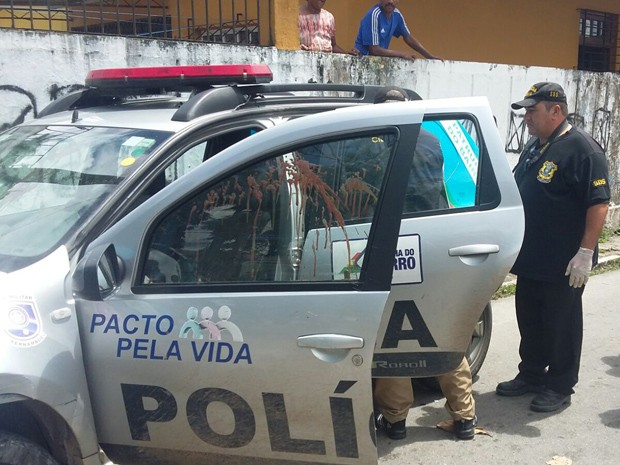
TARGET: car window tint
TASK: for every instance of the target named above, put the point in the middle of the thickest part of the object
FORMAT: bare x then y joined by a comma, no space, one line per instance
196,154
262,223
445,166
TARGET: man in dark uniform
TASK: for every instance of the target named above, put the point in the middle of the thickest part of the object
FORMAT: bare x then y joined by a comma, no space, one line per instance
563,180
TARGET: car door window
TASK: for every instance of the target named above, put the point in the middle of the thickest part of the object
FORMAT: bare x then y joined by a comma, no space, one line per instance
197,153
446,166
192,156
267,221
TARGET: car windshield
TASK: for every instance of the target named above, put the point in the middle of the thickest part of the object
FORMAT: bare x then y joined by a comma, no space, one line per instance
53,177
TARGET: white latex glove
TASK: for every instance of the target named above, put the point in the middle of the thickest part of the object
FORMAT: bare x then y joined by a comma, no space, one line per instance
579,267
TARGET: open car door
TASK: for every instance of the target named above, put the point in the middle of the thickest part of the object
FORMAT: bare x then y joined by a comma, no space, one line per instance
215,327
462,227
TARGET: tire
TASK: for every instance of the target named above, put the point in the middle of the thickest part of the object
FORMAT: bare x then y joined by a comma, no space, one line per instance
480,340
477,350
17,450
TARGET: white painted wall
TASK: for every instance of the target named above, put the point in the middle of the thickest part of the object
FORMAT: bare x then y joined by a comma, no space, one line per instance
36,67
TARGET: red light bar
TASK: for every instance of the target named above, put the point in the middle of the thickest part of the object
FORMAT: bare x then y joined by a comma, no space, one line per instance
178,77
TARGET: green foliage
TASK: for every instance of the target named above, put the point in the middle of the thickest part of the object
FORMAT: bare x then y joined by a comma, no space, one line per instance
609,265
607,233
505,290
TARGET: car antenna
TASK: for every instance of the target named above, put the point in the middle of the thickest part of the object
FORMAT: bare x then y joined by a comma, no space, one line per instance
75,116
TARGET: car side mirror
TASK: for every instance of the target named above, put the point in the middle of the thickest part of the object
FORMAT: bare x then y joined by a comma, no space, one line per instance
98,274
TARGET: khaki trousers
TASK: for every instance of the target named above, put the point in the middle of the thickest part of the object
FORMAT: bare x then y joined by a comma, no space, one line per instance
393,397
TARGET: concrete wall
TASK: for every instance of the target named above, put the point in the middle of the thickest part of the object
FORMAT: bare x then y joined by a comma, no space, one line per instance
38,67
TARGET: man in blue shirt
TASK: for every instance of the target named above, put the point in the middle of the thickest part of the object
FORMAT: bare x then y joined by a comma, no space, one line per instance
379,25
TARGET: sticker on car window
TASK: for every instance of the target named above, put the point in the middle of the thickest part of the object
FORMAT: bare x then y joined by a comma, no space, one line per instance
133,148
461,160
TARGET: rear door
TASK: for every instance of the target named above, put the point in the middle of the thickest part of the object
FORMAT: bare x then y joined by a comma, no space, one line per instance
461,232
215,326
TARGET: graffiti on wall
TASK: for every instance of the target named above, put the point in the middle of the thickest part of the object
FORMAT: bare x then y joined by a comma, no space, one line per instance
576,120
24,104
27,105
517,130
602,127
516,133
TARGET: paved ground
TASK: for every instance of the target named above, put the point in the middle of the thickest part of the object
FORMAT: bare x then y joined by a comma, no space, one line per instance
586,433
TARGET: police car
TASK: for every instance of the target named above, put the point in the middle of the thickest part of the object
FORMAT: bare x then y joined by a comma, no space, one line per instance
213,273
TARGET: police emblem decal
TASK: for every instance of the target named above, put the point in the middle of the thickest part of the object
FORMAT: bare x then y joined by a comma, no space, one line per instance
23,324
546,172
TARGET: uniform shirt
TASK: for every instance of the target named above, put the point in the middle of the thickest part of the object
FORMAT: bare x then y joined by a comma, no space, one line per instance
316,31
557,189
376,29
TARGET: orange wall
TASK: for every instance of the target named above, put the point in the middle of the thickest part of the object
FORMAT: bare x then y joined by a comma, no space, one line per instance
522,32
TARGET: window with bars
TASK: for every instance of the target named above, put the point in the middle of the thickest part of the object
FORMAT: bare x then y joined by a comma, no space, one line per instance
599,47
222,21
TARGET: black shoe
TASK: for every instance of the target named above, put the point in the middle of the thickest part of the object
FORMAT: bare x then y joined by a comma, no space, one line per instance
517,387
394,430
549,401
465,429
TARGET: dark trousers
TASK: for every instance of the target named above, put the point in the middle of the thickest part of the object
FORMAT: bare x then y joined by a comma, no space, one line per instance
550,319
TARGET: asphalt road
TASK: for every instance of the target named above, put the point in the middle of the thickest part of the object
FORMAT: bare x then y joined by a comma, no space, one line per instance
585,433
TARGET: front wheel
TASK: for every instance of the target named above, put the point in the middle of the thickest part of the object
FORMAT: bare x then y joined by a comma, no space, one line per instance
17,450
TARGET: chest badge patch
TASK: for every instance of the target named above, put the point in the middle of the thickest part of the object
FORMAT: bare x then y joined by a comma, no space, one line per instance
546,172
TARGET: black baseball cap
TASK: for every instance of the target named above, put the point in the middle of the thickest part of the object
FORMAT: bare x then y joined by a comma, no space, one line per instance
541,92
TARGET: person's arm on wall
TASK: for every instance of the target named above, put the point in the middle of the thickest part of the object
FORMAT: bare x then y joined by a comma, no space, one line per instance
379,51
338,49
418,47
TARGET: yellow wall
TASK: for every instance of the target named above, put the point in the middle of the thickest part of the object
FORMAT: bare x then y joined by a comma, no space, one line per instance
523,32
285,32
40,20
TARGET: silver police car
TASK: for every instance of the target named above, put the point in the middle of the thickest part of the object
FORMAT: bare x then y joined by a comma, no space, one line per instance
215,272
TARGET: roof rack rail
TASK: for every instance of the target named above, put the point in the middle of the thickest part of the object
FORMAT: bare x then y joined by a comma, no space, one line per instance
83,98
220,98
228,98
363,93
209,101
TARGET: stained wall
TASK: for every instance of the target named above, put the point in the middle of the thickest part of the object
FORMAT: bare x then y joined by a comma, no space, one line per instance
38,67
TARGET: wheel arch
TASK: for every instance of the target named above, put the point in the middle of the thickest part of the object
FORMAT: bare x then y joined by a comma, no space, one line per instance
40,423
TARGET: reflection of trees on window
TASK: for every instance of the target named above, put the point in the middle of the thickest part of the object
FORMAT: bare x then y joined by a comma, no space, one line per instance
253,225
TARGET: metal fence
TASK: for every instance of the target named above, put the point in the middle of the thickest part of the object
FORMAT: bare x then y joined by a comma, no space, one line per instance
220,21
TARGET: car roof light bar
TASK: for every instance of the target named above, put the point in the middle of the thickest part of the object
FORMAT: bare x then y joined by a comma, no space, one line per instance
177,78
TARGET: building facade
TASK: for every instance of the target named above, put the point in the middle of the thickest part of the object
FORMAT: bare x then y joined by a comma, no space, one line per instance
570,34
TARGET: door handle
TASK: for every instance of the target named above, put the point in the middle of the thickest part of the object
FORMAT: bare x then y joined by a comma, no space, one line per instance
330,341
473,249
